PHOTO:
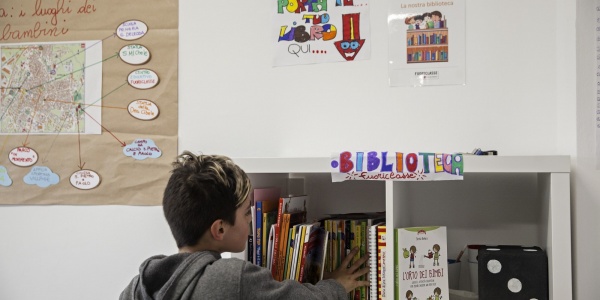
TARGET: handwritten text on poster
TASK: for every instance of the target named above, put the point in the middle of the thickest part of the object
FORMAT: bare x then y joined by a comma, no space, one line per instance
399,166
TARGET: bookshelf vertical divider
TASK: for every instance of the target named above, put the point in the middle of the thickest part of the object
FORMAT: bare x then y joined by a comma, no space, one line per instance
519,200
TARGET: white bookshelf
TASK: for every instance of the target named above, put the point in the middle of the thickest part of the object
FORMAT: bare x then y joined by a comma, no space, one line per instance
518,200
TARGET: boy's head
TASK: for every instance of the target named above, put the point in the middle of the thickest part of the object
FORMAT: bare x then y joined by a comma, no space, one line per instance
202,190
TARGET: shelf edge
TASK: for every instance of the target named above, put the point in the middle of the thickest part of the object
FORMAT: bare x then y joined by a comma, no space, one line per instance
472,164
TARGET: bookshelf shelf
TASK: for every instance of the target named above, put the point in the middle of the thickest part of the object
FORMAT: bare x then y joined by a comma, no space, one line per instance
519,200
473,164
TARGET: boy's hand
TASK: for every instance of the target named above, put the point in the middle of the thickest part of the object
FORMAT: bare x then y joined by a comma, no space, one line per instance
348,274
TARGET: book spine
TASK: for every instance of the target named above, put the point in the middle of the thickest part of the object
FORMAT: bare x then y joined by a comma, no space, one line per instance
274,263
381,259
290,252
284,231
275,252
265,242
326,224
300,259
304,251
396,266
249,247
295,252
336,244
342,240
280,211
353,236
373,262
357,241
258,234
363,252
322,254
348,236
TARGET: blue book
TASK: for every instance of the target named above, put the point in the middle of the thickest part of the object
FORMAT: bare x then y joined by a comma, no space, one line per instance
258,234
265,200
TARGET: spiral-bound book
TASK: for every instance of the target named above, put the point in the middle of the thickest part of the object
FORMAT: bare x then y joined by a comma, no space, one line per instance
374,270
377,267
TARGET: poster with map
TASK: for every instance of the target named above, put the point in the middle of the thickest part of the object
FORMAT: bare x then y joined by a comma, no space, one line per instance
45,80
88,101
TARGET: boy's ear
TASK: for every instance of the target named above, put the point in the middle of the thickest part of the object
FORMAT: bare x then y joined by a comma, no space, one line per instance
217,230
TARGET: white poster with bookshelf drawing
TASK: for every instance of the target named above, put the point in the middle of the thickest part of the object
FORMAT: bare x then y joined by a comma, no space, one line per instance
426,42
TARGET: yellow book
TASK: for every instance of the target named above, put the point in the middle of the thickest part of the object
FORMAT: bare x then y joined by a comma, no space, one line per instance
290,252
354,239
328,257
299,256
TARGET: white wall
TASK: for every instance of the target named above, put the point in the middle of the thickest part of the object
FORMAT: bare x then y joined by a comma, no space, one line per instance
585,178
236,103
76,252
519,99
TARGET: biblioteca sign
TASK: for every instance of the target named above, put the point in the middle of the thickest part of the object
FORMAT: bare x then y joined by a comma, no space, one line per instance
396,166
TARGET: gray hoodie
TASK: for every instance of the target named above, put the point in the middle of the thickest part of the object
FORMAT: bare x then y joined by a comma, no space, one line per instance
204,275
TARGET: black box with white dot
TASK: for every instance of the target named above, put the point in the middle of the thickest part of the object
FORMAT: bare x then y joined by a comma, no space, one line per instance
512,272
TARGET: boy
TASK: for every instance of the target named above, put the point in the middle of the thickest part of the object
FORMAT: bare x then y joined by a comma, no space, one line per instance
207,207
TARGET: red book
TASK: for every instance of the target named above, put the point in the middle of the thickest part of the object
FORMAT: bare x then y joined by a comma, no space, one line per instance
275,252
274,260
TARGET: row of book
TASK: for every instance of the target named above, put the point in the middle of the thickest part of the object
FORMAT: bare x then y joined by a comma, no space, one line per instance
424,39
427,56
284,241
367,232
297,249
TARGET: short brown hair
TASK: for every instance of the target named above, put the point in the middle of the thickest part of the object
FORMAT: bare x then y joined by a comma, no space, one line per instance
201,190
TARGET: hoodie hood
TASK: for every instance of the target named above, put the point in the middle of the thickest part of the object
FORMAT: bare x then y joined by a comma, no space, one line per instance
168,277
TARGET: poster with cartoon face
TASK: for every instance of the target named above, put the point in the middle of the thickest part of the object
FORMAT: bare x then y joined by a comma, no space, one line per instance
427,42
320,31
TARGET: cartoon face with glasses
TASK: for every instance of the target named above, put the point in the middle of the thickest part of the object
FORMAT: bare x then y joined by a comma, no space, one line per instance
351,44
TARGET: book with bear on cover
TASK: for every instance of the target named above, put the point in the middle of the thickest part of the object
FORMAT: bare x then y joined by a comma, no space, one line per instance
421,263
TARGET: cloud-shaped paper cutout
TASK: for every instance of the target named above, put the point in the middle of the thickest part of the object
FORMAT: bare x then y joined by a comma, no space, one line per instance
4,178
141,149
41,176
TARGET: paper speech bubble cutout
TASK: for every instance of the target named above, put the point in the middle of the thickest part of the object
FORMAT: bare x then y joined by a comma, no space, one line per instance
141,149
132,30
85,179
135,54
4,177
142,109
41,176
23,156
143,79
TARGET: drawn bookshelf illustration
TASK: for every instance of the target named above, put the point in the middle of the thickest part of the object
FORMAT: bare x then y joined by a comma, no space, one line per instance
426,38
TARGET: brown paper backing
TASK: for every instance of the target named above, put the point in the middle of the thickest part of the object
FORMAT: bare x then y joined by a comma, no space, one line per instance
124,180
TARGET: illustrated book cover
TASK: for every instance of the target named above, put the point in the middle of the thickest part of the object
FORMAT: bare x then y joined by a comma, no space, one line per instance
421,263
